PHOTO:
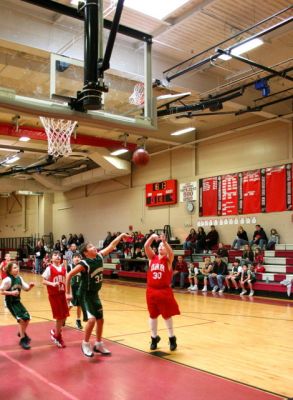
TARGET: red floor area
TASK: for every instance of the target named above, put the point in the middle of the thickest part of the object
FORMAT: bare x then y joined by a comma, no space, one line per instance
46,372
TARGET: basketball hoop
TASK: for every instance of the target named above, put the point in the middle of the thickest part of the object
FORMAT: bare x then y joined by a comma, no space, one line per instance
137,97
58,132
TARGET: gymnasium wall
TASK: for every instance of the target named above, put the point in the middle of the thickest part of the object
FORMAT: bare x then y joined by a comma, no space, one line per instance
114,205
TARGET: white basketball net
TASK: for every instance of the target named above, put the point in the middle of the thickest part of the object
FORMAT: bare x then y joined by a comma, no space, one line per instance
137,97
58,132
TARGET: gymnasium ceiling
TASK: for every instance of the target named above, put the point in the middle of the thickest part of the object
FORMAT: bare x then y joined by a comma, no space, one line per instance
189,37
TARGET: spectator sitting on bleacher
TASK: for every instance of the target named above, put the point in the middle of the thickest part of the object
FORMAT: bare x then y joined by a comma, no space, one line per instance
259,237
241,239
234,276
190,241
212,238
219,272
80,239
180,269
273,239
247,256
200,241
222,252
247,277
192,277
107,240
205,272
258,260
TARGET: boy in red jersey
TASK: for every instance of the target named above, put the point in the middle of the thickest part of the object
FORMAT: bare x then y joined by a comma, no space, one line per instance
55,279
159,295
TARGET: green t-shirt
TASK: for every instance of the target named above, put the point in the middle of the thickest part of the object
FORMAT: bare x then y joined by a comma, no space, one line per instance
92,277
16,284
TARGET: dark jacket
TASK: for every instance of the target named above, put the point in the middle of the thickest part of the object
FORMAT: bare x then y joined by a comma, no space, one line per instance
220,269
259,235
242,235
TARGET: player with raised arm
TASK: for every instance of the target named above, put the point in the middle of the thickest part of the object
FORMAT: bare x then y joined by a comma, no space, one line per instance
91,270
159,294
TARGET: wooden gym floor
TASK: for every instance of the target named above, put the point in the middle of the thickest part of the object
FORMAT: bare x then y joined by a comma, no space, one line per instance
228,348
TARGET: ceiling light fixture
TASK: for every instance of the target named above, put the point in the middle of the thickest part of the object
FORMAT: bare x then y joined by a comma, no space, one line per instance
123,149
158,9
182,131
28,193
24,139
11,160
237,50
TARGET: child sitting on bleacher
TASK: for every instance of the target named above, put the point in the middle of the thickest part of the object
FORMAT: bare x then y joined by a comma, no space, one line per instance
192,277
234,276
247,277
204,273
258,261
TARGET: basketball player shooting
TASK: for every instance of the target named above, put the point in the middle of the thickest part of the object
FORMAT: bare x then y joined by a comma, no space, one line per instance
159,295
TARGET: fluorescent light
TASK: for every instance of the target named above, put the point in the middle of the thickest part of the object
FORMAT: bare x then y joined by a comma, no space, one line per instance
118,152
11,160
29,193
186,130
9,150
172,96
245,47
242,48
225,57
155,8
24,139
75,2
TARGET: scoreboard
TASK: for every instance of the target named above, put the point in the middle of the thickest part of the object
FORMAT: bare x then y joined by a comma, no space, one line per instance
161,193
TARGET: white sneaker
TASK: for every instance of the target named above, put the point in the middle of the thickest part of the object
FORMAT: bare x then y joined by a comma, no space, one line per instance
289,289
99,347
243,292
222,289
194,287
190,287
251,293
205,289
86,349
215,288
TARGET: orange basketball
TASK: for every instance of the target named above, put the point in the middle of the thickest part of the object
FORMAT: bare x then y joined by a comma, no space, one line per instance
140,157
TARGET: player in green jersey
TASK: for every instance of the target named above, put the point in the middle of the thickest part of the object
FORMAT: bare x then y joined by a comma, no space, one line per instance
91,270
11,287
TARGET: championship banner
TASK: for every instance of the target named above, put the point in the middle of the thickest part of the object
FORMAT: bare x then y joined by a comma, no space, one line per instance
289,186
276,189
251,186
230,194
208,196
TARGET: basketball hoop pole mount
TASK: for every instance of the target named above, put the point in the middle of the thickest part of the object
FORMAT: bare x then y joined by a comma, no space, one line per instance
90,97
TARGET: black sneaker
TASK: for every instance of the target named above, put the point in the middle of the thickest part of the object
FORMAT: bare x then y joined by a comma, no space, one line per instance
26,336
24,343
154,342
78,324
172,343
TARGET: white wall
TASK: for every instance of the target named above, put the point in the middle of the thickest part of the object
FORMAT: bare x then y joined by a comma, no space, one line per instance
114,205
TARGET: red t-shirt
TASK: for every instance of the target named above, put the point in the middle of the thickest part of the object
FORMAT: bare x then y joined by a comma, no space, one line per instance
56,276
3,269
181,266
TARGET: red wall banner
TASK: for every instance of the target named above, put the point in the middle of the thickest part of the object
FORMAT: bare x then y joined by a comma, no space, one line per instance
230,194
209,196
251,186
276,189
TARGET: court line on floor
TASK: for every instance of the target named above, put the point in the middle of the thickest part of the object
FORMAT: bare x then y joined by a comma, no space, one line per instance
39,376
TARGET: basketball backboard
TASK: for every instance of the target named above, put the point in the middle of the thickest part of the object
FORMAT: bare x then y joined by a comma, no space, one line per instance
37,81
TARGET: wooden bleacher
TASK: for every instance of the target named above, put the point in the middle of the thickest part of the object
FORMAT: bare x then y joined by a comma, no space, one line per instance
278,264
